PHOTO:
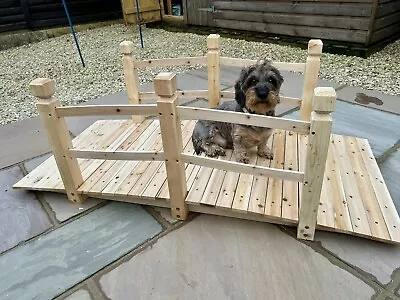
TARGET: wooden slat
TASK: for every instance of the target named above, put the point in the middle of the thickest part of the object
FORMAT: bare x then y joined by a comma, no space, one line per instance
260,185
293,19
251,169
165,62
243,189
191,113
214,186
181,94
386,20
118,155
290,199
358,36
356,209
99,167
284,66
283,99
382,193
108,110
338,9
374,215
274,195
228,190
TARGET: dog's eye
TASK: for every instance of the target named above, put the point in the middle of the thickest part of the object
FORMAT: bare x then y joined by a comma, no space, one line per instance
253,81
272,80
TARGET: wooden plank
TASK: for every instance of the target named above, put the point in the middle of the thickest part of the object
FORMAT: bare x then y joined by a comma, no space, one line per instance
384,33
108,110
358,36
240,62
165,62
387,8
213,70
387,20
181,94
191,113
213,189
243,189
330,9
283,99
274,196
292,19
98,168
358,217
118,155
251,169
260,185
385,202
374,215
290,199
336,194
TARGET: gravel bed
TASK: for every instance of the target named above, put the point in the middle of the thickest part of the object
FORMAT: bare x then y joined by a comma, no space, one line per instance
57,58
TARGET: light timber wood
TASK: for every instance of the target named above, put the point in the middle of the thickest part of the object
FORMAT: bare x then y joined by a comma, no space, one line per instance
181,94
58,136
383,196
118,155
240,62
317,151
243,168
172,143
107,110
310,78
290,194
213,69
283,99
191,113
367,193
165,62
130,75
273,202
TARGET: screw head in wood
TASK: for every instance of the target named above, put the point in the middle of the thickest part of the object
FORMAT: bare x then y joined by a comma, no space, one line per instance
42,87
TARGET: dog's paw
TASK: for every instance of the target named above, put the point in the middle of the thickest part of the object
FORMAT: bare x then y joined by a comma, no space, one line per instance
266,153
215,150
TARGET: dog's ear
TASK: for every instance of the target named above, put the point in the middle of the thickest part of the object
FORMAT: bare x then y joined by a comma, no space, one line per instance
239,94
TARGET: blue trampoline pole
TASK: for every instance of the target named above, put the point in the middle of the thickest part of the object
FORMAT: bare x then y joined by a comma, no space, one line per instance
73,32
139,24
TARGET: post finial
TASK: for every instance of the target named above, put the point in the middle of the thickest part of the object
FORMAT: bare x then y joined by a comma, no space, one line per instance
324,99
43,88
213,42
165,84
126,47
315,47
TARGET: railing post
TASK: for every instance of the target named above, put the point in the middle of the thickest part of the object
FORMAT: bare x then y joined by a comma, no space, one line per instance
165,88
131,76
310,78
316,154
59,138
213,69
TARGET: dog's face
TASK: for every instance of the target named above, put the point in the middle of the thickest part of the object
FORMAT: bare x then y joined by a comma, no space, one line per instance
258,88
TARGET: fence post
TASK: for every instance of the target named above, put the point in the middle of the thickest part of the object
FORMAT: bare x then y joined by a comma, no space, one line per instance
317,150
59,138
310,78
131,76
213,69
165,88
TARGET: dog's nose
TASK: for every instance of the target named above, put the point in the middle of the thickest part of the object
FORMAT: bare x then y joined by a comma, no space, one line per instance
262,92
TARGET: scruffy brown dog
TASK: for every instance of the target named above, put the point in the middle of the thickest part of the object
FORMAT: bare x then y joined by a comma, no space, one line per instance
256,92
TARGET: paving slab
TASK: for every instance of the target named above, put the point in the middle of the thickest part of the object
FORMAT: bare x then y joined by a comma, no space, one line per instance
59,203
380,128
370,98
48,266
228,75
390,169
15,137
21,215
166,214
79,295
375,258
221,258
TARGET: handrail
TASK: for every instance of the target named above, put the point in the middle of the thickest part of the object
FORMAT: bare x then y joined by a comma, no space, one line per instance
243,168
240,62
107,110
191,113
165,62
117,155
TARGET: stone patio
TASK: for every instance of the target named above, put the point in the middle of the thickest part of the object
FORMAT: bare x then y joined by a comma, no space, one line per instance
102,249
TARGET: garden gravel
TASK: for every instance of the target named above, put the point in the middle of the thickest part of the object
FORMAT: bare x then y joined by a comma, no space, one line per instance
57,58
